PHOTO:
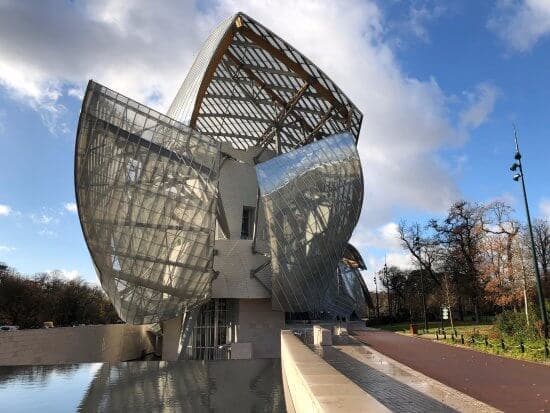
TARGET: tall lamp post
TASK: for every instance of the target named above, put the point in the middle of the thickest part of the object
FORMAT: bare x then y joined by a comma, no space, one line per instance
377,302
387,278
417,246
521,176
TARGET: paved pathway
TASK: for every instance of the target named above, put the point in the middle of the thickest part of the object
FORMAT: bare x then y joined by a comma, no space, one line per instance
507,384
396,386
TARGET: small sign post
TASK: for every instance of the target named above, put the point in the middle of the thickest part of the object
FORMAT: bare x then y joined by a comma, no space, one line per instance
445,313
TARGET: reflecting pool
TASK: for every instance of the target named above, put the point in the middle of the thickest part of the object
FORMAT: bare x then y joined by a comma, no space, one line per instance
145,386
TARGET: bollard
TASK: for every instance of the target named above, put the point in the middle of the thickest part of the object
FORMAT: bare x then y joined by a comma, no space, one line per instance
502,344
486,342
522,347
546,351
462,338
437,336
472,340
444,335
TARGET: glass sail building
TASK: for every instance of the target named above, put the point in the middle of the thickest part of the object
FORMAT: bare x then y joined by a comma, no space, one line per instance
234,209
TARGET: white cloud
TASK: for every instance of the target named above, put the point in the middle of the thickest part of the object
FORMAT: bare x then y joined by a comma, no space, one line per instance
43,218
71,207
5,210
2,121
521,24
144,51
482,103
383,237
139,49
401,259
420,15
48,233
544,208
6,249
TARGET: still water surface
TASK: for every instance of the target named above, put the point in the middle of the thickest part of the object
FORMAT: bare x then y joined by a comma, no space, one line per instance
144,386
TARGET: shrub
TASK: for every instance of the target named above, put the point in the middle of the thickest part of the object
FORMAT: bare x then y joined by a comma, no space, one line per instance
512,324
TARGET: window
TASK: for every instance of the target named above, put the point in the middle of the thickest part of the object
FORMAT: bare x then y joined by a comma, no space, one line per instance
247,227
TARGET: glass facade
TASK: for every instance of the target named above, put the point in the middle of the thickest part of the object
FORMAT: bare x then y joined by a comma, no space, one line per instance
148,195
312,197
146,192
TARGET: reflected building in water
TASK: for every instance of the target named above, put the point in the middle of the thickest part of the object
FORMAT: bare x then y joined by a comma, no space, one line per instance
217,221
189,386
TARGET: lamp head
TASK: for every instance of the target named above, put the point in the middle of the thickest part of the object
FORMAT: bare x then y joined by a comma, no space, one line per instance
517,156
514,166
516,177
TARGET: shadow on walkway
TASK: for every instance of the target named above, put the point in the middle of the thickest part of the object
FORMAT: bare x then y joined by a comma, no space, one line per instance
395,395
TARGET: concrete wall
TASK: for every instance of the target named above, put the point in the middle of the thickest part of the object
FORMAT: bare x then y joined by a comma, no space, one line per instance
312,385
322,336
171,337
234,259
64,345
261,326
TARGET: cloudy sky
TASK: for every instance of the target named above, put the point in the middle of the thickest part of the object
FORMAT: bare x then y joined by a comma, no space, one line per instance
440,85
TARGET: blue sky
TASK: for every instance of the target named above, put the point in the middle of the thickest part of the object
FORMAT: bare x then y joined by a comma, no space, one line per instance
440,85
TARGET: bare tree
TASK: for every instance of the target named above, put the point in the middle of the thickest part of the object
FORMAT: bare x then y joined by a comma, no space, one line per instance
423,246
462,234
504,275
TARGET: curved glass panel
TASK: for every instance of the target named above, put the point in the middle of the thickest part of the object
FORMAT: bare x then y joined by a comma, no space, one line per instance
312,197
146,190
250,88
182,105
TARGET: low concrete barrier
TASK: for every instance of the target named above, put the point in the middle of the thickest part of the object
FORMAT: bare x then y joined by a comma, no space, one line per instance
322,336
65,345
340,329
313,385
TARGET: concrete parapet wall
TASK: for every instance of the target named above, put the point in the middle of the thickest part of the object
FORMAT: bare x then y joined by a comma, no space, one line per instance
312,385
65,345
340,330
322,336
261,326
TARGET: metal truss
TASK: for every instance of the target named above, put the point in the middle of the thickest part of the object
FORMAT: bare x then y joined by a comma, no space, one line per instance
251,88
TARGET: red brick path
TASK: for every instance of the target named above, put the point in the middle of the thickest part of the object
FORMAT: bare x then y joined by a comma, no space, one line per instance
507,384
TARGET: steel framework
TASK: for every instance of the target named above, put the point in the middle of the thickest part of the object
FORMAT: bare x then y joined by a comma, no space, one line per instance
251,88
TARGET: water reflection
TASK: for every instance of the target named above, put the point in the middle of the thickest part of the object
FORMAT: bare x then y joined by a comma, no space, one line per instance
194,386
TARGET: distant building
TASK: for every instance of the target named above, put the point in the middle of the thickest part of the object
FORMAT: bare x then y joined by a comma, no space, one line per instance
214,221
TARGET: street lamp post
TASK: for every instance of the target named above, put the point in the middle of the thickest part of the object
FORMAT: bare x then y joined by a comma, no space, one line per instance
521,176
387,278
377,302
417,245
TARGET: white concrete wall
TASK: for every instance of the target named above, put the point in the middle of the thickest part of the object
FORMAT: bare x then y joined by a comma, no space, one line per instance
261,326
235,259
171,337
63,345
312,385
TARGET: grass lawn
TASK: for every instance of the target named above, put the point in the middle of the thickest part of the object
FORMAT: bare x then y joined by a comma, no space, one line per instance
480,337
461,327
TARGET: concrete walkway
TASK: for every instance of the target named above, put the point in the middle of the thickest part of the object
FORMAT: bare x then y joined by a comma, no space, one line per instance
396,386
507,384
